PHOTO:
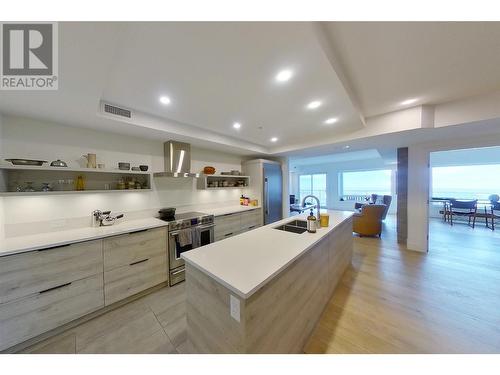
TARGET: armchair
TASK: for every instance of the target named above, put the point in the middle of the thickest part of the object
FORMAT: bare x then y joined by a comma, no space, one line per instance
369,221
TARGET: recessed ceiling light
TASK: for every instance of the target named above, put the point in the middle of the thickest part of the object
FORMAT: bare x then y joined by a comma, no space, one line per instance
284,75
409,101
314,104
274,139
164,100
236,125
331,120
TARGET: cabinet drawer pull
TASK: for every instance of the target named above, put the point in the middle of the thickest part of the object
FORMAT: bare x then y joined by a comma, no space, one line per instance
228,234
178,272
54,247
54,288
138,231
139,261
227,214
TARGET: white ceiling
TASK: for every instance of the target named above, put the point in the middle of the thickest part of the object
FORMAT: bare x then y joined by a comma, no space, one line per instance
434,62
218,73
335,157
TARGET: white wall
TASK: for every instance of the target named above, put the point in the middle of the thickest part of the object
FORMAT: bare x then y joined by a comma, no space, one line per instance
418,195
393,122
476,108
25,138
285,168
333,171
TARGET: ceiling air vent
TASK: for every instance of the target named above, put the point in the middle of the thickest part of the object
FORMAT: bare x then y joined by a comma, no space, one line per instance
117,111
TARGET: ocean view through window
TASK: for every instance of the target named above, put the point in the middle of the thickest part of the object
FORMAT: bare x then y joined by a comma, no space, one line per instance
364,183
466,182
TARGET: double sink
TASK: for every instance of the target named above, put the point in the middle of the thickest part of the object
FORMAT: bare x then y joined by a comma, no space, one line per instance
294,226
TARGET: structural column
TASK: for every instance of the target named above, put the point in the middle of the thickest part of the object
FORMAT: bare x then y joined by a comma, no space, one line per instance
402,195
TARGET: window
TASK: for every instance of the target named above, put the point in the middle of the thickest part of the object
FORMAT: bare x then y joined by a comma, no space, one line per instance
466,182
364,183
314,184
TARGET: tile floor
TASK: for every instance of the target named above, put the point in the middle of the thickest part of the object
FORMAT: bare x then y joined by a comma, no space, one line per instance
155,323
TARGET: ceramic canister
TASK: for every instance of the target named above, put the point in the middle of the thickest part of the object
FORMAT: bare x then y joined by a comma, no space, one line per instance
91,160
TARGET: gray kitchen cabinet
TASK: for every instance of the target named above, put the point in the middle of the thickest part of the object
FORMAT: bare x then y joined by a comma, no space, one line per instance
227,226
134,262
236,223
44,289
251,220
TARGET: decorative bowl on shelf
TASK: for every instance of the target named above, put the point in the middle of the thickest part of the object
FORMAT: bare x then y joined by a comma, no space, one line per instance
27,162
209,170
124,166
58,163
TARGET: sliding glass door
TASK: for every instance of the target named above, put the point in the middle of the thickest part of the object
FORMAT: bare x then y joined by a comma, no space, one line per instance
314,184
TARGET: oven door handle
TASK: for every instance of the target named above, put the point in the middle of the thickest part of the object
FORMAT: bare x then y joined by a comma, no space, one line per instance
207,226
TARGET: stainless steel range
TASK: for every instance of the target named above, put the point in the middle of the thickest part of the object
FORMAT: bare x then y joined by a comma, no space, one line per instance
186,231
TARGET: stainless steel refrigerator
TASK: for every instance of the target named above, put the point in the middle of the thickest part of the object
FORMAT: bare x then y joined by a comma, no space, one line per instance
272,192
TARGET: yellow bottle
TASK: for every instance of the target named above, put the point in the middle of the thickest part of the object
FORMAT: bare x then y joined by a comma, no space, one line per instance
80,183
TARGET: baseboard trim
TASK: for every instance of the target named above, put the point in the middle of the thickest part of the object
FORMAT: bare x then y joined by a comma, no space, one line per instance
413,246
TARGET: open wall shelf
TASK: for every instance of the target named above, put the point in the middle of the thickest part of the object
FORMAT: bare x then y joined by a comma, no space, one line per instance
214,182
63,180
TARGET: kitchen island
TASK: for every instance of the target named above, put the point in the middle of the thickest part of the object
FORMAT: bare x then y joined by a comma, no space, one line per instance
264,291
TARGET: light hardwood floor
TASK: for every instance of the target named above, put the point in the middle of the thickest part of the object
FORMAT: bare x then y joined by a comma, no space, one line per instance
396,301
389,301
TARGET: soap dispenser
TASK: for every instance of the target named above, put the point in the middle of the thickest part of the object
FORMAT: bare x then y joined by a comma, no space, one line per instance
311,223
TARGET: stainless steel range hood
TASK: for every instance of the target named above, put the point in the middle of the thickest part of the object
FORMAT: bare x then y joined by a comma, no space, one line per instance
177,160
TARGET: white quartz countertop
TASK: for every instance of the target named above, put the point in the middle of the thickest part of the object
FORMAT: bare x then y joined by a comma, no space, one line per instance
245,263
20,244
228,210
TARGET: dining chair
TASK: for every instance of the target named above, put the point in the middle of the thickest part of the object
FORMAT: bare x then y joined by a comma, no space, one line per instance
446,210
463,208
494,214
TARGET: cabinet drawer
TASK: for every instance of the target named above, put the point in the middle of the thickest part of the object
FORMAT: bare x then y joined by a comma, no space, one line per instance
227,226
30,316
129,248
251,219
221,236
28,273
125,281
